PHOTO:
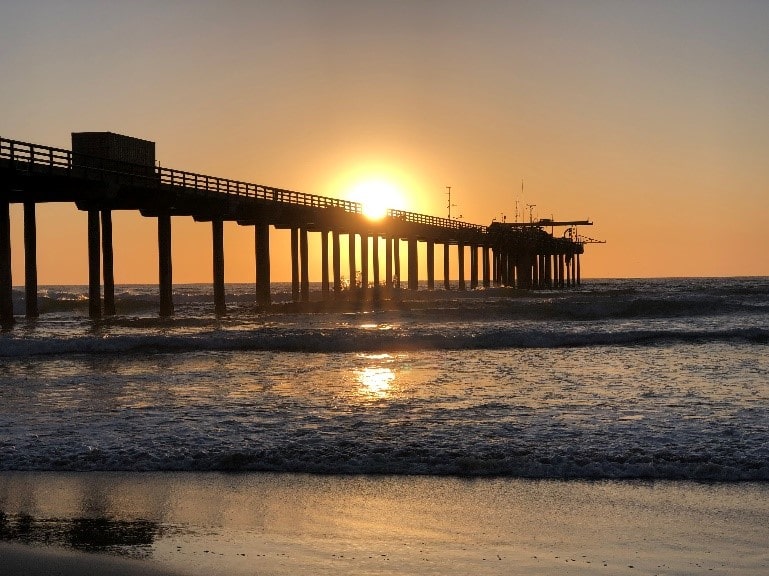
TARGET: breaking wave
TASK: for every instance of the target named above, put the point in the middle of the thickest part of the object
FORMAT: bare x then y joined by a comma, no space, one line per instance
378,339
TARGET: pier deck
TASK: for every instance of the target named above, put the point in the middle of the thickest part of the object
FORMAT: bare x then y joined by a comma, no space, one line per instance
519,255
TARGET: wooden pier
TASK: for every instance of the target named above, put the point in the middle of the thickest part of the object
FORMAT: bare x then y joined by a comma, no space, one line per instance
106,172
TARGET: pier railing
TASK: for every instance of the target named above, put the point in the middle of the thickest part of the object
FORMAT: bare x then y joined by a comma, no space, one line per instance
24,156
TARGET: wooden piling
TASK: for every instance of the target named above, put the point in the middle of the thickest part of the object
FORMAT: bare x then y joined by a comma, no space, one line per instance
413,264
473,266
262,241
217,232
294,264
324,278
495,268
94,265
446,268
165,269
579,271
364,264
336,261
430,265
375,261
6,280
108,265
30,260
397,260
305,264
351,259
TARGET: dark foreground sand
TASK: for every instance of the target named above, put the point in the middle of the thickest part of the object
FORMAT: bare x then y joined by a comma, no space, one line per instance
268,524
48,561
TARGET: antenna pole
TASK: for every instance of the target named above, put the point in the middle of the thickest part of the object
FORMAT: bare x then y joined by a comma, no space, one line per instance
449,205
531,212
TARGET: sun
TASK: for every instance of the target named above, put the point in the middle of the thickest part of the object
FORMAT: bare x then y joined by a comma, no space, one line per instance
376,196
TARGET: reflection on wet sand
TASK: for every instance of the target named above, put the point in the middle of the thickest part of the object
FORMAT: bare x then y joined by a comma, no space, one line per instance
126,538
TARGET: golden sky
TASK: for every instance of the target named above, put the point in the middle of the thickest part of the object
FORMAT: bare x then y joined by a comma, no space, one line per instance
650,118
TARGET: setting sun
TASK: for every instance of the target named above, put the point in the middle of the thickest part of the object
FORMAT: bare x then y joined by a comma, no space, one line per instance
377,196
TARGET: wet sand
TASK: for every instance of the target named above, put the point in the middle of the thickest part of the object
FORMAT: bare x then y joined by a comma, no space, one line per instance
197,523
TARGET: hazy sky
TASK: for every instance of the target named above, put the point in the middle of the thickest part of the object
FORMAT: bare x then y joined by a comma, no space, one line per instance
649,117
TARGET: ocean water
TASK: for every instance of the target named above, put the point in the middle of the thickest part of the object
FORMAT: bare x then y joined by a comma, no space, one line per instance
649,379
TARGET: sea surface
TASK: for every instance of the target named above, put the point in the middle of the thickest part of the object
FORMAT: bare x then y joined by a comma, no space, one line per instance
616,379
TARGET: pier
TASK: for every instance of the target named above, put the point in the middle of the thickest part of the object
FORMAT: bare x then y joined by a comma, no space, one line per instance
104,172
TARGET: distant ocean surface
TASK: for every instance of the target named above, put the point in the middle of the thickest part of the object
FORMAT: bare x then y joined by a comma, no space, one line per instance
650,379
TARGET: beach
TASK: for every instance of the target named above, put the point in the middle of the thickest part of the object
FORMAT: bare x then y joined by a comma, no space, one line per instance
275,524
619,428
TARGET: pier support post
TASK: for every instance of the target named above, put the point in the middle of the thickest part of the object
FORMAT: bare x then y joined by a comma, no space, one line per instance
446,267
375,261
94,265
30,260
561,270
397,261
553,260
542,271
430,265
364,238
502,263
473,267
324,279
495,267
523,271
108,262
557,271
262,241
6,281
164,265
337,262
217,231
461,259
351,259
552,264
305,264
413,264
294,264
389,262
579,272
485,267
504,272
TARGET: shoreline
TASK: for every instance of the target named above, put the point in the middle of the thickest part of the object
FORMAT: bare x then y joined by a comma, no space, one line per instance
219,523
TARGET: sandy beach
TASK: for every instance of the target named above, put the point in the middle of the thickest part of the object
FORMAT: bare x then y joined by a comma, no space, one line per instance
192,523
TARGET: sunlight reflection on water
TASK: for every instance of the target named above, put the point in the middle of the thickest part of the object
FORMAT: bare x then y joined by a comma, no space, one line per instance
375,382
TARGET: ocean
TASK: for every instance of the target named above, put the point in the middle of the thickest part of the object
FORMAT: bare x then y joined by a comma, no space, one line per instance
664,379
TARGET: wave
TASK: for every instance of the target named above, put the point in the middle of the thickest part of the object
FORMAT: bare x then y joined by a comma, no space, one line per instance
328,340
593,303
348,456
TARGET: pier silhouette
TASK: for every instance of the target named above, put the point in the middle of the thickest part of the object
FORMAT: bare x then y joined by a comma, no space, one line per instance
104,172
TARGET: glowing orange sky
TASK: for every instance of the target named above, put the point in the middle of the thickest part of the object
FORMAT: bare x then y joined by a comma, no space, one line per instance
647,117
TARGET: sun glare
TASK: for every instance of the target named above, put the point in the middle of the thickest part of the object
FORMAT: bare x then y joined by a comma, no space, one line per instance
376,196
